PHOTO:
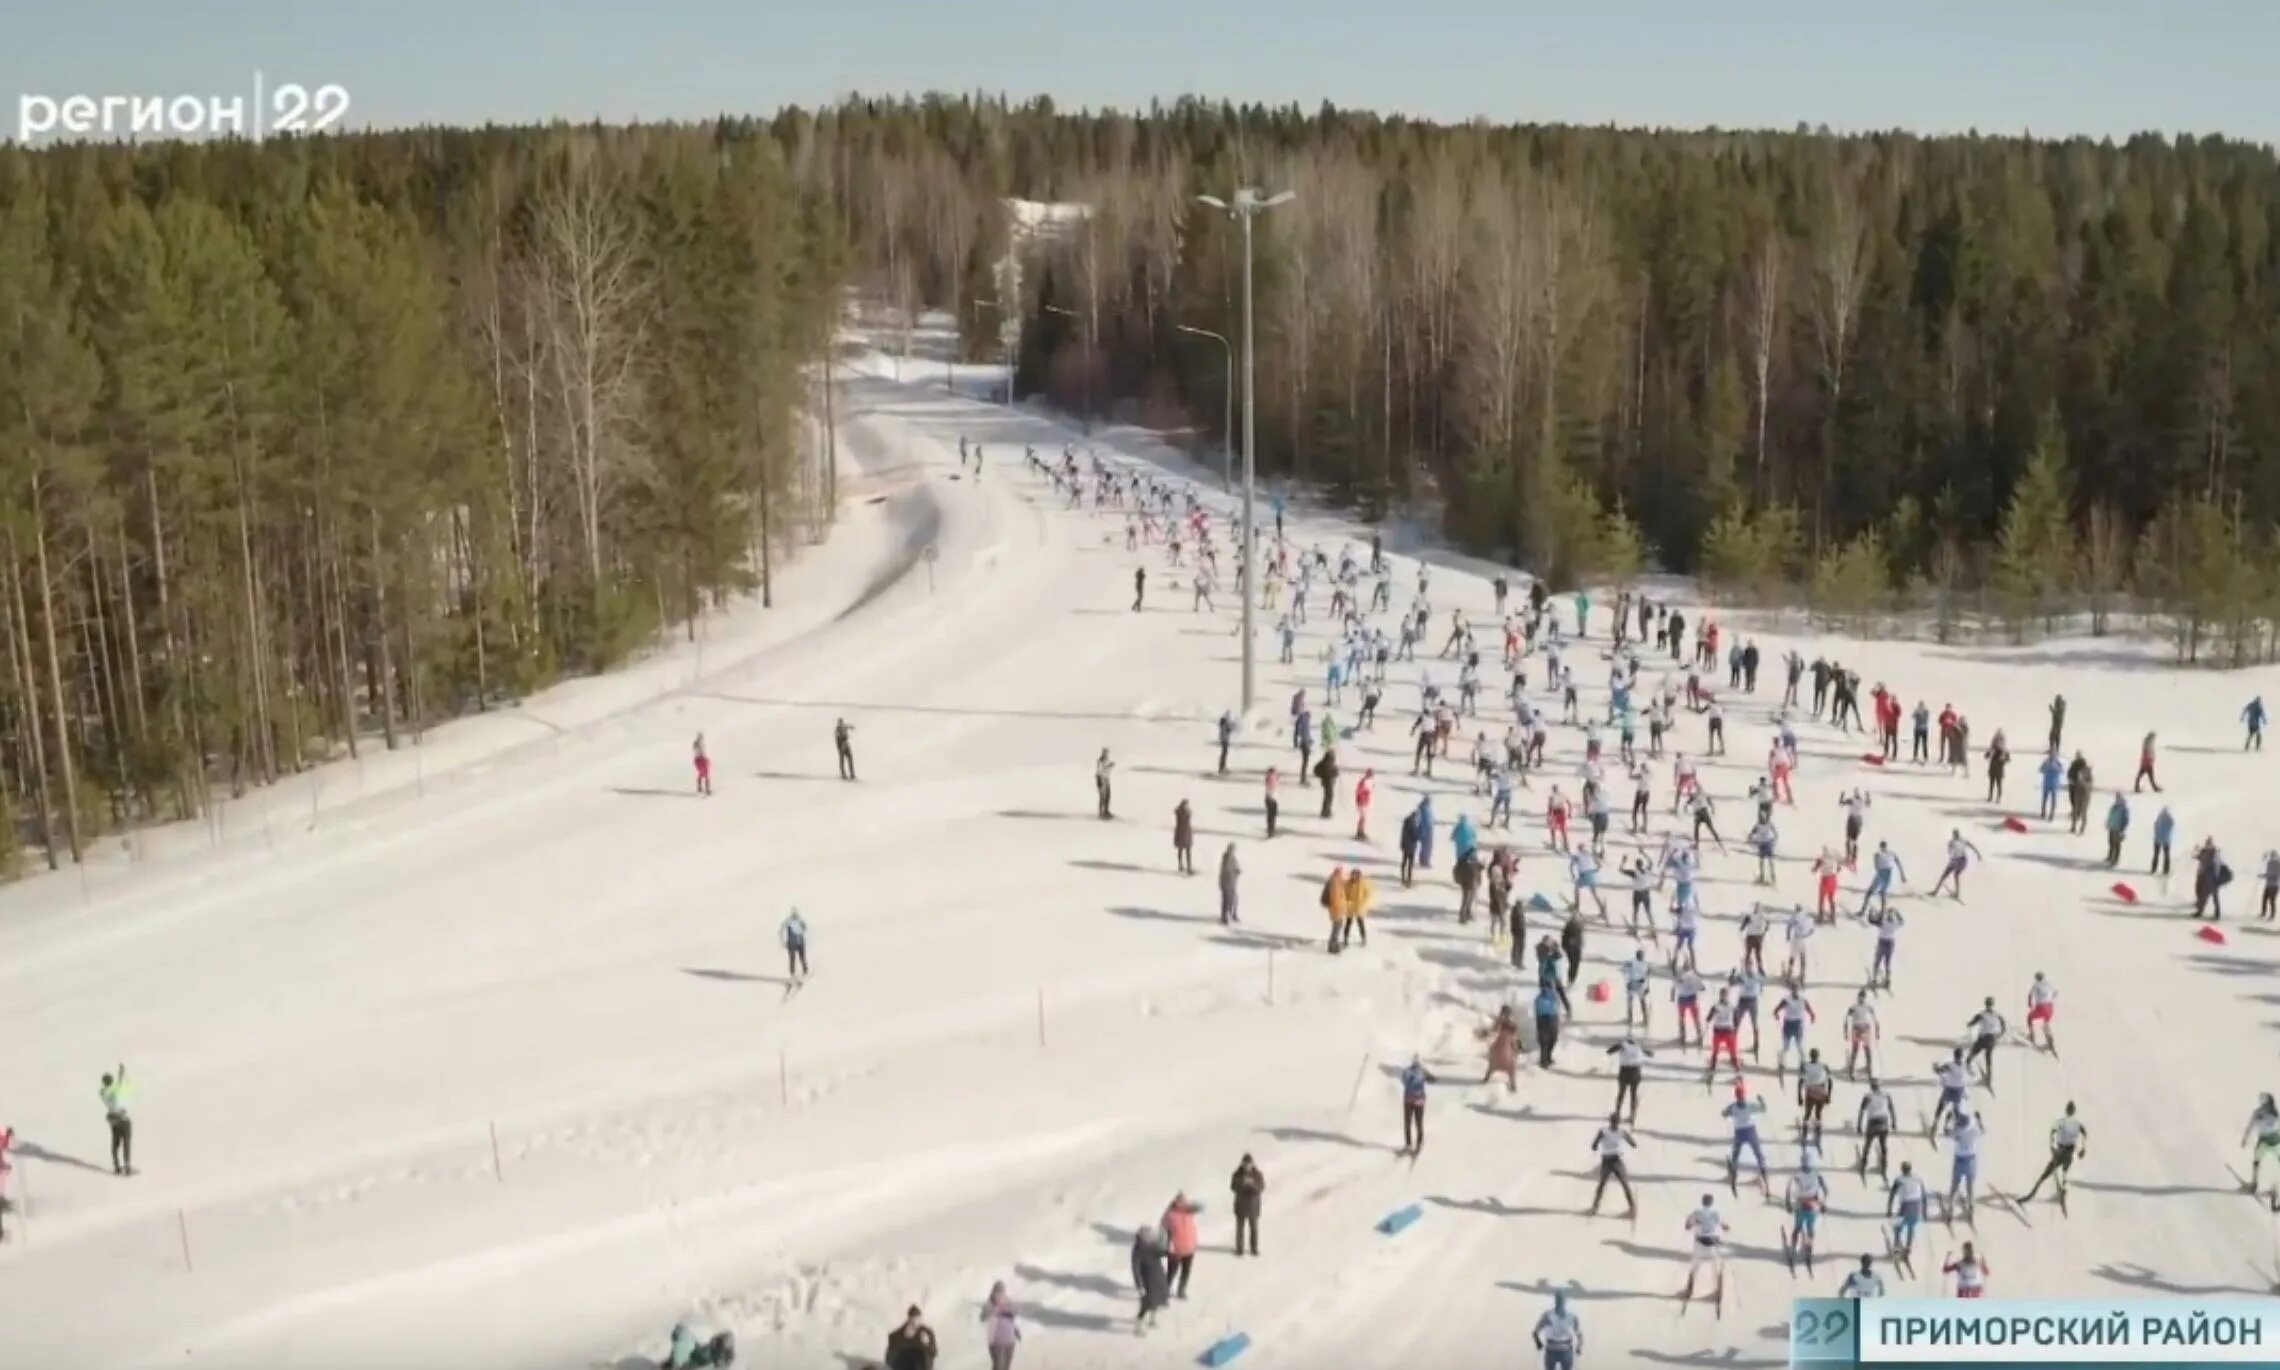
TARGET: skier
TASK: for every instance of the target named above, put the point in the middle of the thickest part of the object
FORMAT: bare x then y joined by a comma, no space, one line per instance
1630,1064
1798,929
1686,992
2042,1007
1904,1203
1815,1087
1249,1185
1965,1131
1559,1334
1743,1114
1414,1078
1709,1233
1855,804
1723,1022
1793,1013
1636,975
1954,1077
1808,1194
1969,1269
1863,1283
2270,904
1273,805
794,936
2069,1140
1762,839
2254,717
1101,770
1230,870
1862,1032
1183,837
1874,1120
1140,586
1998,756
1885,866
703,764
113,1093
2264,1125
1887,942
1958,848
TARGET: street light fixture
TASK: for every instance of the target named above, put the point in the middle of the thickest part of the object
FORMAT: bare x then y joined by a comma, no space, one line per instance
1247,205
1091,345
1005,336
1227,421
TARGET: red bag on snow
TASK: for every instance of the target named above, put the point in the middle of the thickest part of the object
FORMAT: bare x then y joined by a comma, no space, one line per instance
2124,893
2015,823
2209,934
1873,758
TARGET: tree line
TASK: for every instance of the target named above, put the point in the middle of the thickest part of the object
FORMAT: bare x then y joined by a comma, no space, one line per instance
2019,376
305,446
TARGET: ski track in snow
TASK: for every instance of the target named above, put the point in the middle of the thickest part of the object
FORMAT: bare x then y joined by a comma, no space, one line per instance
537,931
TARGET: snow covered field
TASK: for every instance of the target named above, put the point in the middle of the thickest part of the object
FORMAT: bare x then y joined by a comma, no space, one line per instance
483,1057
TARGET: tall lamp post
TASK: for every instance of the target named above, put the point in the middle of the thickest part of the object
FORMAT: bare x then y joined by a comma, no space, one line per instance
1227,423
1005,336
1090,346
1247,205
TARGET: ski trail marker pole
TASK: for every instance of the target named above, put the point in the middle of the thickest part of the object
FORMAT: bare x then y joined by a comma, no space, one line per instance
497,1170
1359,1072
1270,975
783,1079
182,1225
1040,1015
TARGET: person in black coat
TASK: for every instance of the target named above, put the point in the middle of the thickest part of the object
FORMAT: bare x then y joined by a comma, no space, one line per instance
911,1346
1148,1275
1248,1185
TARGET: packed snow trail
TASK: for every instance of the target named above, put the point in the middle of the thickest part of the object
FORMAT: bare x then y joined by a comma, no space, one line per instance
1024,1032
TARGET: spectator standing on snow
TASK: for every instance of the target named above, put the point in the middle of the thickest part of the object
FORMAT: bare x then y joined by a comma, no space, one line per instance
1001,1329
1249,1185
114,1094
911,1346
795,936
841,734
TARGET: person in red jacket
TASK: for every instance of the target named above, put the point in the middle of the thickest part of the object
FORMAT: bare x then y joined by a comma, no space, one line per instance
703,764
1179,1243
1363,789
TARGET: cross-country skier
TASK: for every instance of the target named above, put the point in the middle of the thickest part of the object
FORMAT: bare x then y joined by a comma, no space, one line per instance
1808,1194
1863,1283
1960,853
1609,1144
1904,1203
1743,1114
2042,1007
794,935
1798,930
1559,1335
1955,1090
1986,1028
2069,1141
1636,975
1748,984
1686,991
1815,1087
1874,1120
1969,1269
1887,942
1862,1033
1709,1233
1793,1013
1724,1020
1965,1132
1884,867
1855,804
114,1092
2264,1126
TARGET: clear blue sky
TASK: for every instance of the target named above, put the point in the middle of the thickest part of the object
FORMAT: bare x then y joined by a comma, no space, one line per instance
2098,67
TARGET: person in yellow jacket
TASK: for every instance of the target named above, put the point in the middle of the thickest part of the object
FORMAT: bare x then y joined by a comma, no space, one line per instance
1358,898
1334,904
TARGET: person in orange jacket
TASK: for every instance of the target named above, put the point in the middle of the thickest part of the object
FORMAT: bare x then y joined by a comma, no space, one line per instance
1179,1244
1358,898
1334,904
1363,789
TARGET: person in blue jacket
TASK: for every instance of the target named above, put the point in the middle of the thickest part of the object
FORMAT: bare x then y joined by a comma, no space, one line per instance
1425,833
1226,739
2052,771
2117,825
1414,1078
1548,1003
2164,831
1462,838
2253,716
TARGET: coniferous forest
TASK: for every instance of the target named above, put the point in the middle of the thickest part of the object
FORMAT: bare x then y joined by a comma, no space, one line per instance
305,446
